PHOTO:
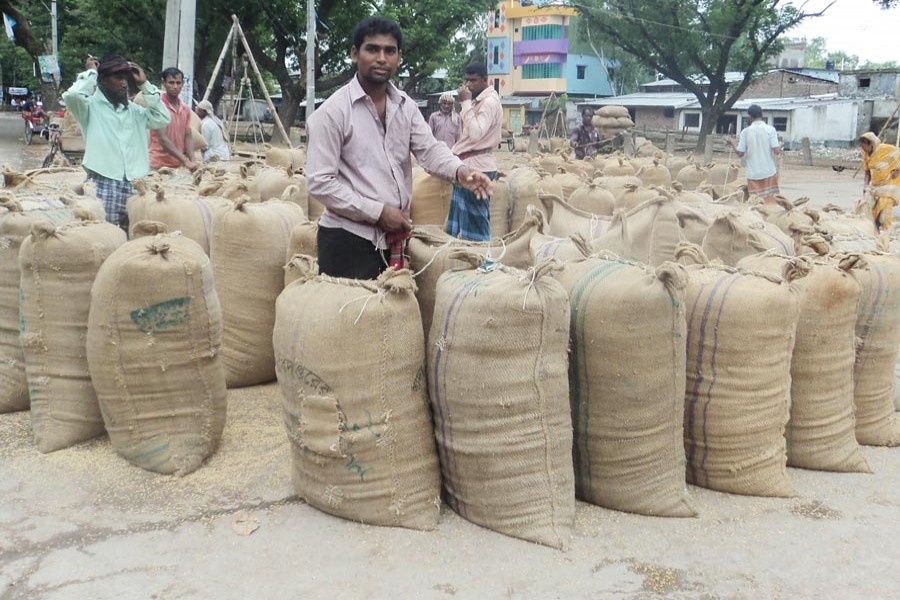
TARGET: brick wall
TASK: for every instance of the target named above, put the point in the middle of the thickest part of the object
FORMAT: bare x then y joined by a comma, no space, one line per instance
780,84
653,118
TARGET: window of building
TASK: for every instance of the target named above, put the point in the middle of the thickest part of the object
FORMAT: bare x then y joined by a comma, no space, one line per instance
542,32
669,112
779,123
496,18
542,71
580,71
692,120
497,85
496,55
865,82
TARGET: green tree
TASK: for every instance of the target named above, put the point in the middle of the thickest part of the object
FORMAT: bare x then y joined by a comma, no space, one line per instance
32,34
686,40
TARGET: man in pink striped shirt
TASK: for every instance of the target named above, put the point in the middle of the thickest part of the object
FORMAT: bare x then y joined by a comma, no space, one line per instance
358,161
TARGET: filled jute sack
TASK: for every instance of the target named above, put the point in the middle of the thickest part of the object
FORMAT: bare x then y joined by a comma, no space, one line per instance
290,158
736,234
627,382
497,378
500,207
430,256
358,420
693,220
300,266
741,331
58,266
188,213
430,198
564,220
304,239
524,187
544,247
820,433
248,251
649,233
593,199
655,174
16,221
154,335
691,176
877,344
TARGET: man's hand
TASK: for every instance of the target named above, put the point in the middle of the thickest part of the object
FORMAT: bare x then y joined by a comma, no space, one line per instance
137,74
476,182
190,165
392,219
463,93
91,63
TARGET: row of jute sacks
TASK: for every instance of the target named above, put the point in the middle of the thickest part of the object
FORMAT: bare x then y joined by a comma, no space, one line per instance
361,435
594,186
598,378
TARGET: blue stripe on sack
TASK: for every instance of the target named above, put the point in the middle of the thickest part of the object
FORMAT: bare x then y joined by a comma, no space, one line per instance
581,456
698,381
439,380
714,372
778,241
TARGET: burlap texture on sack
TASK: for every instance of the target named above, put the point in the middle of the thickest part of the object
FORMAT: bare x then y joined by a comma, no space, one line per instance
564,220
593,199
736,234
58,266
430,198
497,378
820,433
877,344
188,213
430,256
154,334
499,208
16,220
358,421
626,379
249,248
648,233
691,176
524,187
741,332
545,247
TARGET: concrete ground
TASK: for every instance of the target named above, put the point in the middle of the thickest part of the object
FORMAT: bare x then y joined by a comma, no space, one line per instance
82,523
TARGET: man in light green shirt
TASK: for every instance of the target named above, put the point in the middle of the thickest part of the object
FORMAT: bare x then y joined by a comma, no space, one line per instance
115,130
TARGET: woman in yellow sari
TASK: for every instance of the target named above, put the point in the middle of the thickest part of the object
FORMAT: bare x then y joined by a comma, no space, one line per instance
882,164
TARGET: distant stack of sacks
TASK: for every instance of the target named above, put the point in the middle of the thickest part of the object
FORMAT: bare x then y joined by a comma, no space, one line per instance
612,120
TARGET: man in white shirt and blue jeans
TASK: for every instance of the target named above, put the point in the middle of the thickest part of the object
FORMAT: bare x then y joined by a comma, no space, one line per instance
758,145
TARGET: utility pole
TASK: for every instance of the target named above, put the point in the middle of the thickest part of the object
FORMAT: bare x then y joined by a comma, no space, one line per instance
178,44
311,44
54,34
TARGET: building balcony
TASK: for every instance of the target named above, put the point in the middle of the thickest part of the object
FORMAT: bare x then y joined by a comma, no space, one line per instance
540,47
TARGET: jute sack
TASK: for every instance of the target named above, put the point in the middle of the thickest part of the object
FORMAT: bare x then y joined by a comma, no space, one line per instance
290,158
691,176
154,333
430,198
676,163
568,182
544,247
304,239
617,167
249,246
626,381
820,433
847,225
612,110
564,220
648,233
358,421
550,162
693,221
188,213
736,234
741,331
16,221
878,341
616,185
655,175
593,199
300,266
500,207
430,256
497,378
524,186
633,195
58,266
271,183
44,180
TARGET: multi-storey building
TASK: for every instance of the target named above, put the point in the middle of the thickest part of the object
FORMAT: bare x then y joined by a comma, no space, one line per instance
529,52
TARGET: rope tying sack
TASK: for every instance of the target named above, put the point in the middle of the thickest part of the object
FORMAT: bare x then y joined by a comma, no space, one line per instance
148,229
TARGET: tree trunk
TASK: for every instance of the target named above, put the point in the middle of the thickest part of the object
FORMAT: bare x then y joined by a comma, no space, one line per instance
290,106
709,118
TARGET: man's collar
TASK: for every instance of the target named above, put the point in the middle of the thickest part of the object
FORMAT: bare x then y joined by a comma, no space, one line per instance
105,99
357,92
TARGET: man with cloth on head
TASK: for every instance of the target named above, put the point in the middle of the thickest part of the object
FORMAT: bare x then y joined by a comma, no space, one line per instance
444,123
758,146
482,119
115,130
173,146
358,163
213,131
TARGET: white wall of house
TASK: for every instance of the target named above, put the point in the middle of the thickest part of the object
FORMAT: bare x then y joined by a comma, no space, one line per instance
832,124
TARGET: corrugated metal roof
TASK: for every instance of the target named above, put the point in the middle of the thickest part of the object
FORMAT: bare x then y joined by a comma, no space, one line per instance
679,100
665,99
730,77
